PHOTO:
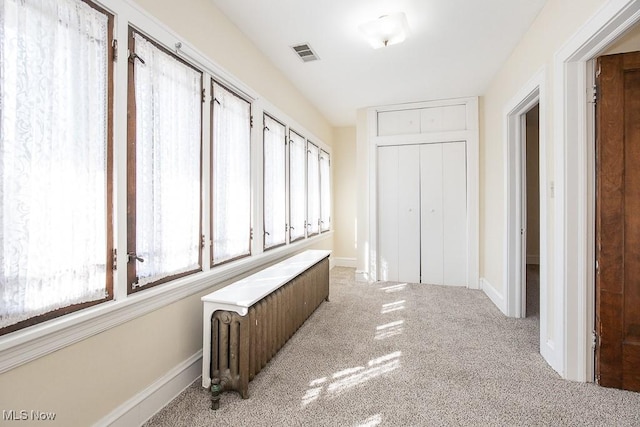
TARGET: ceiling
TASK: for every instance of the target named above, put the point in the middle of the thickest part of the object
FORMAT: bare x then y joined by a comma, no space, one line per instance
454,49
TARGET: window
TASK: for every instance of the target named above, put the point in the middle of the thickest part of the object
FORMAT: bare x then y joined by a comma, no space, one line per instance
231,166
55,159
297,183
313,189
165,110
325,191
59,177
274,195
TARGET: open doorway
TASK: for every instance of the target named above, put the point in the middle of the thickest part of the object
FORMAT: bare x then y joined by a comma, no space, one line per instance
531,213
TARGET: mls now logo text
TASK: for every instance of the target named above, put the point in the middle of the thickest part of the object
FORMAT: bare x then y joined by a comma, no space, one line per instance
24,415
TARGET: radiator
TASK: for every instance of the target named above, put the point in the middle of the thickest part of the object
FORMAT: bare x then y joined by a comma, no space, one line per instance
241,345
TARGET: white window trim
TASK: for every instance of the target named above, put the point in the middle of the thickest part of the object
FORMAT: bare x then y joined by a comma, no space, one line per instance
39,340
28,344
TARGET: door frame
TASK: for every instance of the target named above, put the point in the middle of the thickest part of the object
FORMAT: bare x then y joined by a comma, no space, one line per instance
514,245
574,202
470,135
514,251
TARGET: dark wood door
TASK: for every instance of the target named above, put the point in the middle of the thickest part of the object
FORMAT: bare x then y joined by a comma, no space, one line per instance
618,221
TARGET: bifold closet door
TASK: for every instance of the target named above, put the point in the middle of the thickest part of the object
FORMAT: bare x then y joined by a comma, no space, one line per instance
399,213
443,194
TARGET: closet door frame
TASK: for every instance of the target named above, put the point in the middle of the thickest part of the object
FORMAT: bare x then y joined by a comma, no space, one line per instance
467,133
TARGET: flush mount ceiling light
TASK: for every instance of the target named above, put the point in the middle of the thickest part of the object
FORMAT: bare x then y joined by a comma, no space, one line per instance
386,30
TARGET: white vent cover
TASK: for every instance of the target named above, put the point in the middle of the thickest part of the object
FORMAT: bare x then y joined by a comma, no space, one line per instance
305,52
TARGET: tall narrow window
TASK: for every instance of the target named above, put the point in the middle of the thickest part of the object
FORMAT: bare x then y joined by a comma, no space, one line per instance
55,159
274,194
231,165
297,186
325,191
313,189
165,109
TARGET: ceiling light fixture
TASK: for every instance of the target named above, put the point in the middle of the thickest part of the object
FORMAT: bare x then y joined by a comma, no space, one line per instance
386,30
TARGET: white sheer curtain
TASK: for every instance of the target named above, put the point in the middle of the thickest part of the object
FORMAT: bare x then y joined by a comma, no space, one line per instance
53,142
297,185
231,175
325,191
274,183
313,189
168,123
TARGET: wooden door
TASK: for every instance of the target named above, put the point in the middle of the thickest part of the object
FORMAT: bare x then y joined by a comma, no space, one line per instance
618,221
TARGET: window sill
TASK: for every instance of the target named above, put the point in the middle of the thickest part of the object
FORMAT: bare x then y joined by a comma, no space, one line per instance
20,347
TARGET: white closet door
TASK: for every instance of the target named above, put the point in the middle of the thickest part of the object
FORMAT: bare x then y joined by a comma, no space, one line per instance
454,205
409,214
399,213
388,213
432,233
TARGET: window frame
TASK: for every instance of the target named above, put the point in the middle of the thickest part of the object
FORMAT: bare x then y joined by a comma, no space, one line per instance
31,343
264,163
317,160
132,171
304,201
237,94
328,156
109,237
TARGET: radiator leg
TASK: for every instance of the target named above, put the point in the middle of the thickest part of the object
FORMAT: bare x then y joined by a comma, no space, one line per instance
216,391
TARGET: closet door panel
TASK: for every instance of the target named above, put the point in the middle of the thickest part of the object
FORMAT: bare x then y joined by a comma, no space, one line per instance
409,213
455,213
432,235
388,213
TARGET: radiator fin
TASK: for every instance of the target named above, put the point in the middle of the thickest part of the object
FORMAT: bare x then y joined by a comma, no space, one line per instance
242,345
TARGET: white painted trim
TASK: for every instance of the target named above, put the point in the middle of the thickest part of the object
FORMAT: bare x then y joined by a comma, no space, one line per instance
470,135
513,139
362,276
29,344
574,204
513,251
344,262
496,297
141,407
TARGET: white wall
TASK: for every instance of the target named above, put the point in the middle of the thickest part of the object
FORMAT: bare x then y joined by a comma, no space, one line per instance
629,42
344,167
84,382
553,27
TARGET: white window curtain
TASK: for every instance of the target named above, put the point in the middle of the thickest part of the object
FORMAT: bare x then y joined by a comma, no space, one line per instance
325,191
313,189
53,165
297,185
274,183
231,213
168,123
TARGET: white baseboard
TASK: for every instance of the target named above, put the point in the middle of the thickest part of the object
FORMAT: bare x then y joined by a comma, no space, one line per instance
344,262
148,402
533,259
362,276
495,296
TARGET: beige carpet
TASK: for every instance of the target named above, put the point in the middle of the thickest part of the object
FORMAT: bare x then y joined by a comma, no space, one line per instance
395,354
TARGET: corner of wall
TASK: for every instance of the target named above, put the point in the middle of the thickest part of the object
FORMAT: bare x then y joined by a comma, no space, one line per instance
496,297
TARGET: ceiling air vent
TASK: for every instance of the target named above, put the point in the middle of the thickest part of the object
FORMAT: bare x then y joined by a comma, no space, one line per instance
305,52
